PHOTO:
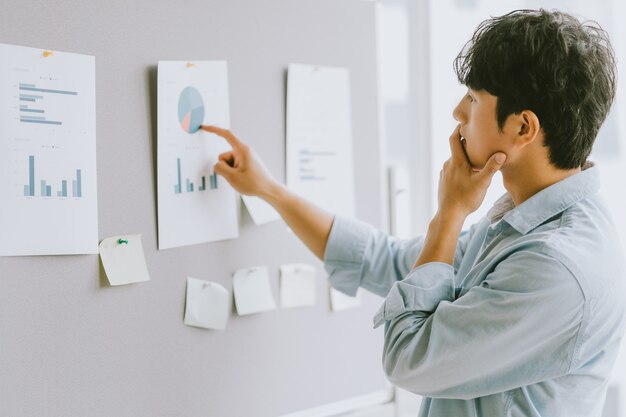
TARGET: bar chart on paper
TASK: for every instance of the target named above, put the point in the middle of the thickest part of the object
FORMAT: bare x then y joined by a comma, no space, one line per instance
75,189
33,103
194,205
190,186
48,197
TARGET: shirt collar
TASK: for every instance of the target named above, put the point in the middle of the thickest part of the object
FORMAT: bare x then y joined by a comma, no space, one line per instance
546,203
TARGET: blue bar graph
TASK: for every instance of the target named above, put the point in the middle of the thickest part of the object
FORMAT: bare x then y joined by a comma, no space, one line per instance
30,96
31,176
28,93
190,186
46,189
44,122
178,187
79,189
32,87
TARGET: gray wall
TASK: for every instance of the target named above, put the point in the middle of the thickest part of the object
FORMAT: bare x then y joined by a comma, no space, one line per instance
70,345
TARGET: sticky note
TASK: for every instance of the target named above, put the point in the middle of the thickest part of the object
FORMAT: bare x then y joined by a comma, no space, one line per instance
123,259
253,293
339,301
208,304
260,211
297,285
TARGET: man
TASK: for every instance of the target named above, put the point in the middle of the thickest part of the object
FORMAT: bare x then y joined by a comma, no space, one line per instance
522,315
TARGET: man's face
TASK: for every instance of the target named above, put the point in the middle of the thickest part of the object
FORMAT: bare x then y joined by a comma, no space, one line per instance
476,112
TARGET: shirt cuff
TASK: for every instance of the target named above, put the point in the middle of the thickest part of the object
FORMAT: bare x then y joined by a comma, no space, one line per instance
343,257
421,291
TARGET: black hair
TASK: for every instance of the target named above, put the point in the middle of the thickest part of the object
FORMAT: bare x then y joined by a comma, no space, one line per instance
550,63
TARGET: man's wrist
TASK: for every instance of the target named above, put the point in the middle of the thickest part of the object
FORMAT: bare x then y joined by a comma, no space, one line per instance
273,193
447,219
441,239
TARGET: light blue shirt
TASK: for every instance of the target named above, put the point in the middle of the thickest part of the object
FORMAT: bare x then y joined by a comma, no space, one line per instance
528,320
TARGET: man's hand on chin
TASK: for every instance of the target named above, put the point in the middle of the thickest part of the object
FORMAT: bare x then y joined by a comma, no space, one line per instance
462,190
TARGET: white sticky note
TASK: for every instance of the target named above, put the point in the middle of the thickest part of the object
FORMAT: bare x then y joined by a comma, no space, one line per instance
253,293
123,259
297,285
260,211
339,301
208,304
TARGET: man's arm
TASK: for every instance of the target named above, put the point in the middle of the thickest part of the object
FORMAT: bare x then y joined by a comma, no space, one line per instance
247,174
519,327
461,191
355,254
310,223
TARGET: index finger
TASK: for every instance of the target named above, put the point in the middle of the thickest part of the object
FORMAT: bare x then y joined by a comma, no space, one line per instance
225,133
456,147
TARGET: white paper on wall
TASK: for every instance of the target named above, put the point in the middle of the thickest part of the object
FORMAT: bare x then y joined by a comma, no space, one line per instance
297,285
319,137
195,205
339,301
207,305
48,194
253,292
260,211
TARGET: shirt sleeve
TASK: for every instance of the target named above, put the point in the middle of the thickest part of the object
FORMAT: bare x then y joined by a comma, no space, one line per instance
519,327
358,255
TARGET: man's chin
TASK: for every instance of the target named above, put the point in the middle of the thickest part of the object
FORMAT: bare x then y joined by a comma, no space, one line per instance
476,167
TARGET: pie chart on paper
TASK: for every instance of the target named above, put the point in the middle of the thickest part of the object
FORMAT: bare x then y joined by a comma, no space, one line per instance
190,110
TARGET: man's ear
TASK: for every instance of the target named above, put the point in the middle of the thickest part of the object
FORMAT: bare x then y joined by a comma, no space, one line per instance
528,127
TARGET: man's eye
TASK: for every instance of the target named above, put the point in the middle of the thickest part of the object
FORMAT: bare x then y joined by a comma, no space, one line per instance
470,98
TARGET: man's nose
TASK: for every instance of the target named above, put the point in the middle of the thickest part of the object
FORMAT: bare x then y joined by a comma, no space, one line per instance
458,114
